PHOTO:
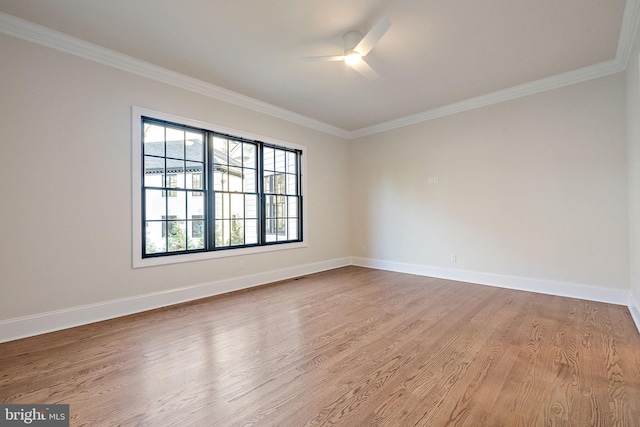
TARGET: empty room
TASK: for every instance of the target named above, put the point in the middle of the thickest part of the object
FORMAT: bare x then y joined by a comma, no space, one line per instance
296,213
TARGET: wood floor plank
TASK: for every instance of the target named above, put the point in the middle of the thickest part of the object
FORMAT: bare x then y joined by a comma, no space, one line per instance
346,347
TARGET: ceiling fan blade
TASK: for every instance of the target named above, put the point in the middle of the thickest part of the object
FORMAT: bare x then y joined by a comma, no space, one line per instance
321,58
373,36
364,69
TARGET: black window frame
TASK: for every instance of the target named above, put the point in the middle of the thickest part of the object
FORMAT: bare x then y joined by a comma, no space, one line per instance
208,192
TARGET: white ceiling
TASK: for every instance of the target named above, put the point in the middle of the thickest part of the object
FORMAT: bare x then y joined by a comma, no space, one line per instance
436,53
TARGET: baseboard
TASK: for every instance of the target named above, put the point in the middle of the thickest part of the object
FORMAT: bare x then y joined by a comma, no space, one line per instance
565,289
634,309
22,327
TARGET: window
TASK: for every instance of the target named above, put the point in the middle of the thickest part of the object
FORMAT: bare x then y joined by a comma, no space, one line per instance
280,177
235,188
205,191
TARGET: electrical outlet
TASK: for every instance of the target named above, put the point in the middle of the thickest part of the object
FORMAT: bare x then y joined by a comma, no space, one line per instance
240,264
454,258
363,249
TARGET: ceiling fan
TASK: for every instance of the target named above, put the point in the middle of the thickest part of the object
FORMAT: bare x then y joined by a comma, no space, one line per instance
356,47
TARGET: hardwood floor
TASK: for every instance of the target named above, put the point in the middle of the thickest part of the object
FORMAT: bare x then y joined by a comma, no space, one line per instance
347,347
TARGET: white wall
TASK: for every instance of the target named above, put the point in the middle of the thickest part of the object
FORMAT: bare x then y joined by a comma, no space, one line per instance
633,137
65,169
532,188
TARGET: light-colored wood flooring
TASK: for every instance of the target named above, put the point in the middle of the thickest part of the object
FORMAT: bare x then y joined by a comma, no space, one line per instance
347,347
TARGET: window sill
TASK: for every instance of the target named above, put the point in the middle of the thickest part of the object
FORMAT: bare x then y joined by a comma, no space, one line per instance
203,256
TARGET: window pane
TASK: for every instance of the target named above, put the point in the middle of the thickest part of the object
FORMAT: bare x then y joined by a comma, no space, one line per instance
279,184
222,206
280,160
250,181
153,140
175,143
220,181
284,210
176,233
237,205
196,182
220,151
282,230
171,181
235,153
292,184
281,211
271,230
293,229
251,231
175,170
153,171
250,206
235,179
155,204
154,237
194,175
196,236
237,232
195,205
268,158
293,207
291,162
195,146
249,156
270,206
222,233
176,206
268,182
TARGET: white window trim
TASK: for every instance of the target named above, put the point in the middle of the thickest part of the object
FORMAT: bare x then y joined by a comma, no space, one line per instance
136,191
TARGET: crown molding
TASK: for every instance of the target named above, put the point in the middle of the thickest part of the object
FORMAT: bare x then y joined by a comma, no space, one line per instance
554,82
35,33
628,29
29,31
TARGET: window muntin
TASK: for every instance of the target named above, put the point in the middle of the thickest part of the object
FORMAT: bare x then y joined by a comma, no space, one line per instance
220,193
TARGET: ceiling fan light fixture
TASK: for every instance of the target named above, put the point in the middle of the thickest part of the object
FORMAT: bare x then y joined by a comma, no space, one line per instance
352,57
356,47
